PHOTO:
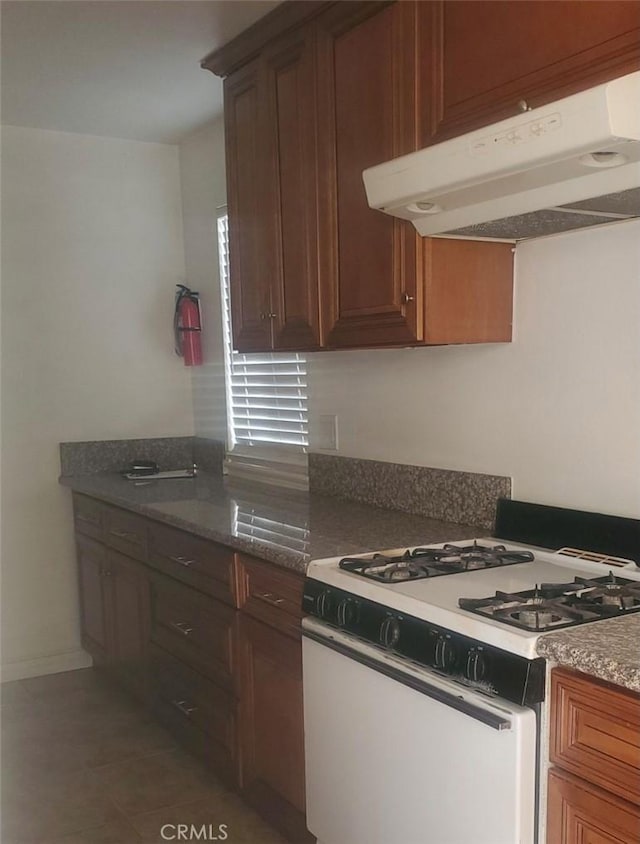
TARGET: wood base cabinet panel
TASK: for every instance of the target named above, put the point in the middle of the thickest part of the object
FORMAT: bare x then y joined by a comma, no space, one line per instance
128,622
202,715
271,727
580,813
595,732
92,574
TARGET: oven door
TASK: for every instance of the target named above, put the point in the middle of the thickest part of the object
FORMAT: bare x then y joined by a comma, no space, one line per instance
397,754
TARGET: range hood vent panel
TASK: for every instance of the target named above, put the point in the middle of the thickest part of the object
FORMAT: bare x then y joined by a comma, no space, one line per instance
562,155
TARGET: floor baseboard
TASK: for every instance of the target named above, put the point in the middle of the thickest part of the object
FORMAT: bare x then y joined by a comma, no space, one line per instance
53,664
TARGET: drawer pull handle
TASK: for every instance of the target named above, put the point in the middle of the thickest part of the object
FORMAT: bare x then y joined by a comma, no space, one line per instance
184,707
182,627
126,534
270,598
89,520
183,561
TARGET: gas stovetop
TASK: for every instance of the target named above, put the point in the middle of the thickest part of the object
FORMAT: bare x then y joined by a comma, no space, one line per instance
506,599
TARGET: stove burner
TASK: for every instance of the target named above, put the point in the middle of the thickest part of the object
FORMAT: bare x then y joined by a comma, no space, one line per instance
433,562
555,605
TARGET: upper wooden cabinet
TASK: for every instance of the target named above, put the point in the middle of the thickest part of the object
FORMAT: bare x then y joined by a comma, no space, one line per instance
486,61
317,92
271,175
371,264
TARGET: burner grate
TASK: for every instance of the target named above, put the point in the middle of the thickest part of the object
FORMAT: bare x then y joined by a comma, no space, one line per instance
433,562
551,606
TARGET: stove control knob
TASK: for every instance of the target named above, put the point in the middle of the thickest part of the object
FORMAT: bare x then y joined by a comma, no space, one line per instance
475,667
390,632
324,604
445,655
348,611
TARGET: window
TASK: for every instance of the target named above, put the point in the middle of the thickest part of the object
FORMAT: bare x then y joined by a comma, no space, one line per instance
267,408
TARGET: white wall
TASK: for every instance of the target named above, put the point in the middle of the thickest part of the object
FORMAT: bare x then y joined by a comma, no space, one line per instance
558,409
202,175
92,249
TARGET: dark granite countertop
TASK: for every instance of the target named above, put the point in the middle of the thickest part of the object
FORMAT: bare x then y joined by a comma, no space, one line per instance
608,650
287,527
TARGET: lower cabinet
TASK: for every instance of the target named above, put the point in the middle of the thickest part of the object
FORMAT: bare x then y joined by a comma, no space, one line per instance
114,612
594,786
271,726
271,706
214,649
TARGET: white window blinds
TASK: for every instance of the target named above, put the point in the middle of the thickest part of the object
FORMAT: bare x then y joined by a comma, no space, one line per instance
266,393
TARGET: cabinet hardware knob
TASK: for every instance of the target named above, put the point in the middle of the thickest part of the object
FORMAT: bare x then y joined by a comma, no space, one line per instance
183,561
106,573
263,316
523,105
182,627
184,707
272,316
405,298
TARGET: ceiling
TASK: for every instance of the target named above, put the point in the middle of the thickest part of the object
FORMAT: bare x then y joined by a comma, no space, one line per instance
117,68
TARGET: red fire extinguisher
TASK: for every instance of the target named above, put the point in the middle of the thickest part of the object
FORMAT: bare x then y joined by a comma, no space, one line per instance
187,326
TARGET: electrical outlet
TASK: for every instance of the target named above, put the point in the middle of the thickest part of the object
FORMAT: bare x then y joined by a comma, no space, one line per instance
327,438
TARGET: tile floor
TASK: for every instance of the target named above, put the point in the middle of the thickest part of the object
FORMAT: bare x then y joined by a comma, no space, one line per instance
82,764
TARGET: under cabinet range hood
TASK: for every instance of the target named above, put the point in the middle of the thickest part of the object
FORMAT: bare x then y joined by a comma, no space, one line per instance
564,166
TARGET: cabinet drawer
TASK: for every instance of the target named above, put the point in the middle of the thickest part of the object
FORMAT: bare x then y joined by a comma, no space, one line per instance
579,812
194,628
200,713
595,732
126,532
89,516
197,562
270,594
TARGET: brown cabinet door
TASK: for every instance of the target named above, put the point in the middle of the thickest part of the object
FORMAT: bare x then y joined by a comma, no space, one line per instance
128,608
367,90
578,813
92,566
271,726
291,223
246,145
479,60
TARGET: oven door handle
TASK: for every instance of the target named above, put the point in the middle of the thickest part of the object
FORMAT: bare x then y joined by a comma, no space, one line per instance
457,702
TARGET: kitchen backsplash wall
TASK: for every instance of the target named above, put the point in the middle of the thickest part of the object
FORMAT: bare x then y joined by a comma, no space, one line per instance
558,410
465,497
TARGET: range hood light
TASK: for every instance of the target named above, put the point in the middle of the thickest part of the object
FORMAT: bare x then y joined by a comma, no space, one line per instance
424,207
603,159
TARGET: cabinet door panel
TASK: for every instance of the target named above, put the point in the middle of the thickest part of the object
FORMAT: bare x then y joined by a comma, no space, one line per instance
248,256
291,121
129,621
578,813
367,90
486,57
272,732
92,564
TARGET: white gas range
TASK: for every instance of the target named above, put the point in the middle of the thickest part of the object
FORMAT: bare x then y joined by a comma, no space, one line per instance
423,689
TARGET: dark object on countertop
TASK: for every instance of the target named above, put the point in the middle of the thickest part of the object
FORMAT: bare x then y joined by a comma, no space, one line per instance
142,468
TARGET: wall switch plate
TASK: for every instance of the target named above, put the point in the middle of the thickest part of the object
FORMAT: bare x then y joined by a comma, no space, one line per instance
327,438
